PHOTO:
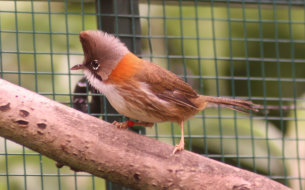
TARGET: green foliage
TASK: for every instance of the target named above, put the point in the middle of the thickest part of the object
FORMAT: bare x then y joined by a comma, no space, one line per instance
295,143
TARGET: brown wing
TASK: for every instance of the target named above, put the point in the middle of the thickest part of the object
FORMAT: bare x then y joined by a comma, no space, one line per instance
166,85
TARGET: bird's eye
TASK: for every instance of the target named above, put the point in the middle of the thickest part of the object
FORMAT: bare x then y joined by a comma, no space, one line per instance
95,64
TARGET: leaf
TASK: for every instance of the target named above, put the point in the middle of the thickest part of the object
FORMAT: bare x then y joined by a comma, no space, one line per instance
295,145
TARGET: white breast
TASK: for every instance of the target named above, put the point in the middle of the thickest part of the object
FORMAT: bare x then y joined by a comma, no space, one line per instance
118,101
115,99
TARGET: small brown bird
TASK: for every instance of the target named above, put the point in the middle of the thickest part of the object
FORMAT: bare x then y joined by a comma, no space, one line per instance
140,89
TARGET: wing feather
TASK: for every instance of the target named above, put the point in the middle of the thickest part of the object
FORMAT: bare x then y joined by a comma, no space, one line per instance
166,85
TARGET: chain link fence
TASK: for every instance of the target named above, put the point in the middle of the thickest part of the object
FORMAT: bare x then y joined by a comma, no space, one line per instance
243,49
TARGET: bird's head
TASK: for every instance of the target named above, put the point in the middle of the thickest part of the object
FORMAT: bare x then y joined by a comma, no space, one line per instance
102,53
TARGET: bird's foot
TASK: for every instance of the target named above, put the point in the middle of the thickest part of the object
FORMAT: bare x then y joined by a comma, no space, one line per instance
179,147
128,123
120,125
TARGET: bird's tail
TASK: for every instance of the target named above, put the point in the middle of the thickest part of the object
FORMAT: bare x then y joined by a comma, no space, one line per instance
234,104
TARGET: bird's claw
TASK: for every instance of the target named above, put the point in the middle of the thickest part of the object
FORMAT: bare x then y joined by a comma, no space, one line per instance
178,147
120,125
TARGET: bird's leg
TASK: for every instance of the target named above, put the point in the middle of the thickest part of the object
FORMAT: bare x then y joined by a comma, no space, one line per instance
128,123
180,146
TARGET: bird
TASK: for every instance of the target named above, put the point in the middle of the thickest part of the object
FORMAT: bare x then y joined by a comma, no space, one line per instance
142,90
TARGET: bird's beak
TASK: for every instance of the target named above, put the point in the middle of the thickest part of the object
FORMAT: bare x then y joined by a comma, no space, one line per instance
77,67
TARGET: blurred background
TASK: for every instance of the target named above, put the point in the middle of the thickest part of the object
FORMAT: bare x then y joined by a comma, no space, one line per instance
247,49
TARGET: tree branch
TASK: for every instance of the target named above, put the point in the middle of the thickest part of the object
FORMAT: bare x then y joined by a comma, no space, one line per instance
86,143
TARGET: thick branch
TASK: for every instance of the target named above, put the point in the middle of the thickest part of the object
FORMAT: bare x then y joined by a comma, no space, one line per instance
88,144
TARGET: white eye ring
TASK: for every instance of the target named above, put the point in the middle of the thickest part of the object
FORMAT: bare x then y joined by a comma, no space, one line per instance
95,65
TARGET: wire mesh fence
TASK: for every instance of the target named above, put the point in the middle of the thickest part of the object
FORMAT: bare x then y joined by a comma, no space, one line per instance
242,49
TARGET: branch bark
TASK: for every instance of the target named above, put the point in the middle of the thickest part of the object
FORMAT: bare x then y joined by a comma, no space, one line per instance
86,143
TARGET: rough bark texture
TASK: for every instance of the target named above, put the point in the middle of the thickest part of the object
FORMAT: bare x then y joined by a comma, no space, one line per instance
88,144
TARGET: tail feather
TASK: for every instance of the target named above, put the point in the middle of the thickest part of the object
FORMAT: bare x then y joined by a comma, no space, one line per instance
234,104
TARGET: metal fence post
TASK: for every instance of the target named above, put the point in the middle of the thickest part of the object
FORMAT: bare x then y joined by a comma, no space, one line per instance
120,17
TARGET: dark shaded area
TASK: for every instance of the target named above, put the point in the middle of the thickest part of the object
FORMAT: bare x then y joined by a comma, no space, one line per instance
128,27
